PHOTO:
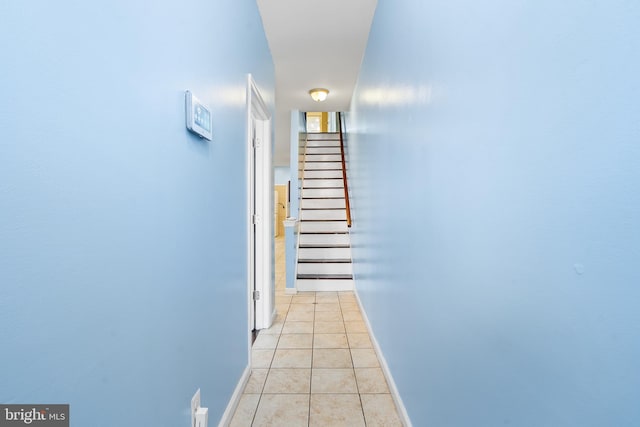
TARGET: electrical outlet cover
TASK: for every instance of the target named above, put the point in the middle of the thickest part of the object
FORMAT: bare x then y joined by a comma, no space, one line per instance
195,404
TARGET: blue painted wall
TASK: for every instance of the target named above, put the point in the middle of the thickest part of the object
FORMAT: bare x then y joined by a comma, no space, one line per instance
495,167
281,175
122,236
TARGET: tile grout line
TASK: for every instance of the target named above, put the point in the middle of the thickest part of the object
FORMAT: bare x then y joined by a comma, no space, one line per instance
353,365
313,337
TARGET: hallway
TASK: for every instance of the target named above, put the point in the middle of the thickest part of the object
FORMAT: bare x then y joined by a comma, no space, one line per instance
315,366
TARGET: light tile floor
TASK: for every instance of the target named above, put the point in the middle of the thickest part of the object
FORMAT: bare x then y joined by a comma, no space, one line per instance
315,366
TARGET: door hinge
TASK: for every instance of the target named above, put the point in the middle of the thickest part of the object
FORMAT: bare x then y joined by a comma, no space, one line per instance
256,219
256,295
257,142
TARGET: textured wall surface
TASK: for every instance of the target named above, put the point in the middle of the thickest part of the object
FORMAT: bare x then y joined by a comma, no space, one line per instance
494,165
123,284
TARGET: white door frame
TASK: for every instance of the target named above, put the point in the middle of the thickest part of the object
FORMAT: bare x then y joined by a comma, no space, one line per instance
259,211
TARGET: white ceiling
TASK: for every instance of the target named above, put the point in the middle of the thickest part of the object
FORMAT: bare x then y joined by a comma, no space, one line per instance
313,44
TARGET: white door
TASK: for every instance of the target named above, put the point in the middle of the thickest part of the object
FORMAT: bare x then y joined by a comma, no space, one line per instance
260,221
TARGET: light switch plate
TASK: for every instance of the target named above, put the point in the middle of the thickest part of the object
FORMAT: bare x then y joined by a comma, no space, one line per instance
195,404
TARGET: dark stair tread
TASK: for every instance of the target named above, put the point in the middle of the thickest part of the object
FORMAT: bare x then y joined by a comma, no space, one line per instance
324,232
323,246
323,220
324,209
323,198
326,276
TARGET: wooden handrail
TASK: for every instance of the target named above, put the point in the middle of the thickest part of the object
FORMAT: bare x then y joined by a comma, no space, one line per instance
344,172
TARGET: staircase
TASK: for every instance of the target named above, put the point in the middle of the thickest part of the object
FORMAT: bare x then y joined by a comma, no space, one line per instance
324,245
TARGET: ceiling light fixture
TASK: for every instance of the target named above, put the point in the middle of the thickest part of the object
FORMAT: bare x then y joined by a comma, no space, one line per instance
319,94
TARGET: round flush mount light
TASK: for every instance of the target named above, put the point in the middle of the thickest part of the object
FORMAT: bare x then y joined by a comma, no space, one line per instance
319,94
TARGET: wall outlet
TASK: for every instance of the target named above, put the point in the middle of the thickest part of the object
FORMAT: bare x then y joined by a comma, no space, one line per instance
195,405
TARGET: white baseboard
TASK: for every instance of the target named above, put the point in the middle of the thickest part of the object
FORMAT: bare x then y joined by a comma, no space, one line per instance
235,398
402,411
290,291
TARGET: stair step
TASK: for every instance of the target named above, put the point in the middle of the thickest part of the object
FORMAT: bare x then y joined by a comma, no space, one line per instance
324,245
323,227
329,285
323,150
324,143
323,214
321,193
323,203
323,174
324,253
315,136
311,166
325,276
323,183
323,261
325,239
325,268
310,158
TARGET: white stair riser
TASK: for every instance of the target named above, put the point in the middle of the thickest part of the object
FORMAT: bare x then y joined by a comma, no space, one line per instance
325,268
324,253
324,158
322,165
322,150
323,183
323,174
322,203
324,239
323,143
328,285
320,227
322,192
334,214
323,136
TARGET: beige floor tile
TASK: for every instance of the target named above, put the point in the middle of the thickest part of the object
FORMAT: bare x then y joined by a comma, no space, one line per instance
293,327
349,306
327,298
328,316
283,381
322,307
352,316
371,380
333,381
364,358
348,298
355,327
330,341
275,329
335,410
380,410
283,299
332,358
306,308
281,314
245,411
359,341
265,341
261,358
287,358
256,381
304,298
328,327
296,341
300,316
277,410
